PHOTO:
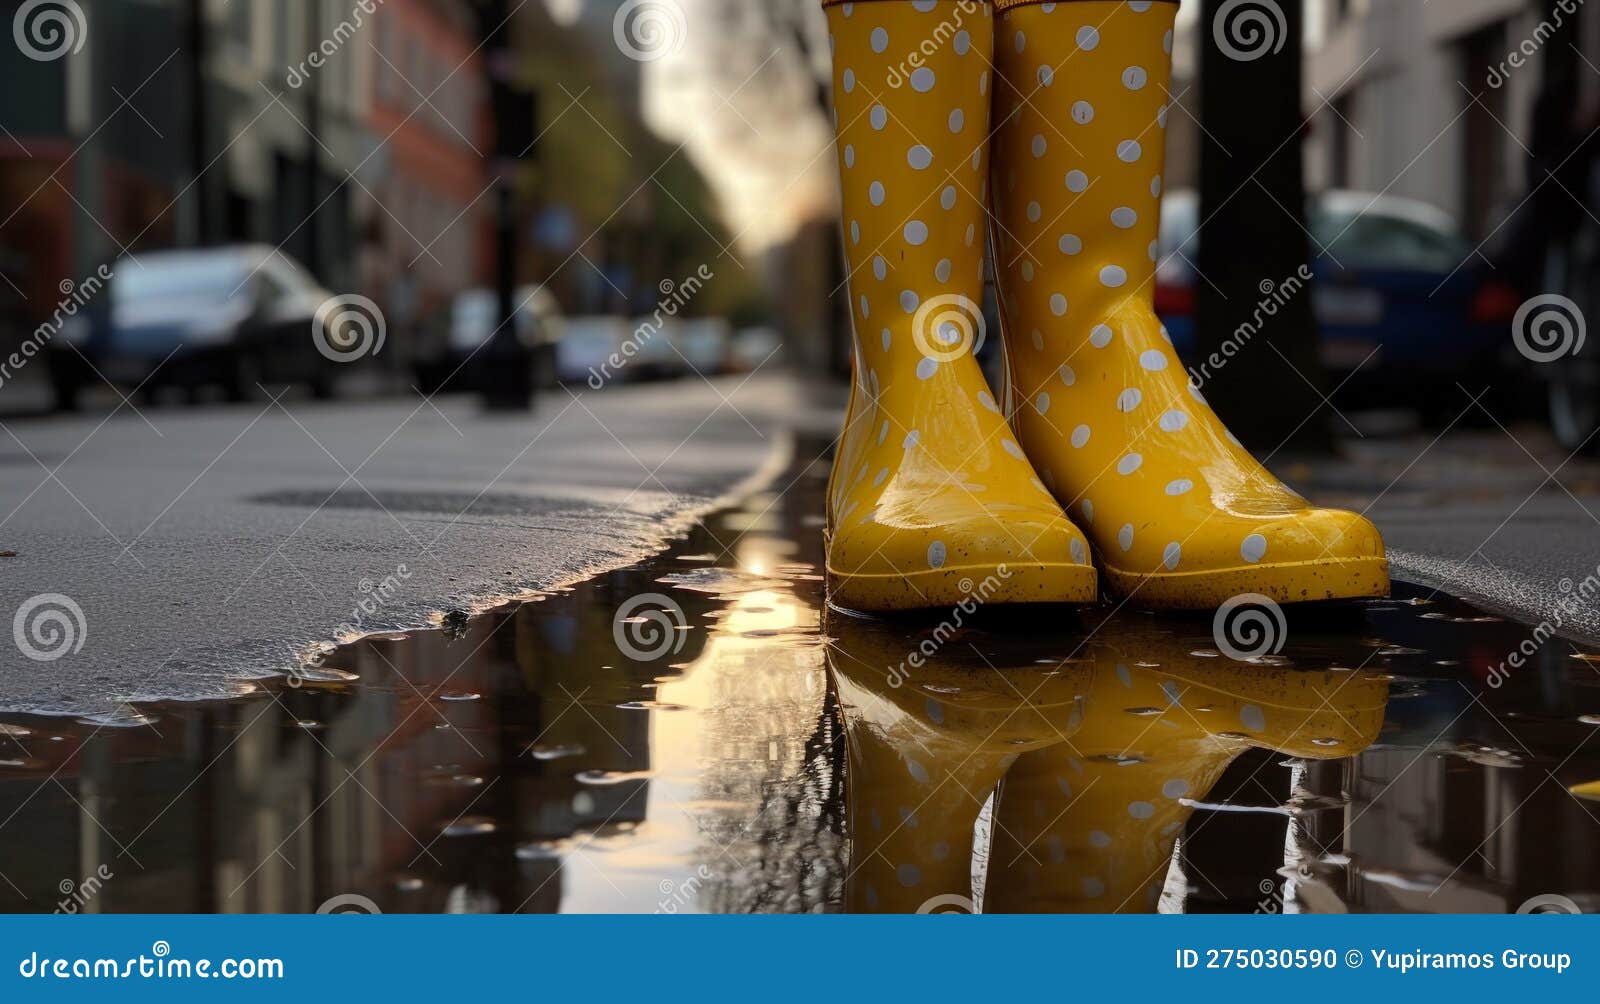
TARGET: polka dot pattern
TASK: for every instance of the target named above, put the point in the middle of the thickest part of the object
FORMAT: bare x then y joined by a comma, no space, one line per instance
1079,168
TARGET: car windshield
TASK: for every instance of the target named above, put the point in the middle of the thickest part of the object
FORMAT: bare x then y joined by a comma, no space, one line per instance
191,278
1376,240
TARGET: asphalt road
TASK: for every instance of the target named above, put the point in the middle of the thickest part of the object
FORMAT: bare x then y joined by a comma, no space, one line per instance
206,544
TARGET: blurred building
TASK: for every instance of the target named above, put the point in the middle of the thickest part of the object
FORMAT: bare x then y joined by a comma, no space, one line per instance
1434,101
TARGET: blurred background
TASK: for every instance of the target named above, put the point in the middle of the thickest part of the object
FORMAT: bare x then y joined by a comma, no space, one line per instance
441,189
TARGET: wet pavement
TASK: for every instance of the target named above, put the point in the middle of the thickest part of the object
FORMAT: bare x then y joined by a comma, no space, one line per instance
699,733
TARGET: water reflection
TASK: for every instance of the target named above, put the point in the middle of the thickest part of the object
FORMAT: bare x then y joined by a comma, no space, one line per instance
761,760
1096,764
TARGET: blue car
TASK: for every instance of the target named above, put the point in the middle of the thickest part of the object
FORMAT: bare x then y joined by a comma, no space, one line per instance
1405,309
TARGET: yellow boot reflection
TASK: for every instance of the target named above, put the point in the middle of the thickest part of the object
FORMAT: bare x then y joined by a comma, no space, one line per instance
1091,829
927,745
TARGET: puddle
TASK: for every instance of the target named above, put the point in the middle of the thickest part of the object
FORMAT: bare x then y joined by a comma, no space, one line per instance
697,734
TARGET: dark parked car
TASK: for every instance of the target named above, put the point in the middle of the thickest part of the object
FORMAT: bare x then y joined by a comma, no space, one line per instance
231,317
1398,293
451,353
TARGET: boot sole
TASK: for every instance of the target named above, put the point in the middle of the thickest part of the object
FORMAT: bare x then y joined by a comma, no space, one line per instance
1284,582
948,587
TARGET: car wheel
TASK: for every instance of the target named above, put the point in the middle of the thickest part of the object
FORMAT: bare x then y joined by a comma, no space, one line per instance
1575,415
243,382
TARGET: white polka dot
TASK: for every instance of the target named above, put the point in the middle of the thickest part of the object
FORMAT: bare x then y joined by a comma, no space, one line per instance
1155,186
1124,218
1077,181
865,311
1166,43
1058,304
1100,336
926,368
1088,512
909,301
958,119
1174,421
1129,463
1099,838
1253,718
1047,76
919,157
947,198
987,400
1041,402
941,271
1080,437
916,233
849,81
876,193
887,338
1175,788
1134,78
983,83
1082,112
1068,375
1034,212
1070,244
880,268
1027,271
1037,337
912,438
1093,888
1020,41
1129,151
936,554
922,80
1012,448
1113,276
1125,537
1254,548
1182,486
855,232
849,155
962,43
879,39
1153,360
1088,38
879,478
878,117
1141,810
883,430
1172,555
972,233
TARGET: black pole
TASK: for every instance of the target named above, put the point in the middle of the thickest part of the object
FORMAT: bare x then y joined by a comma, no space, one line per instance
197,120
508,366
312,165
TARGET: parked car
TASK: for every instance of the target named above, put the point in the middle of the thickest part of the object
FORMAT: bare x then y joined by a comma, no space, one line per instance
234,317
705,343
590,351
1403,308
451,354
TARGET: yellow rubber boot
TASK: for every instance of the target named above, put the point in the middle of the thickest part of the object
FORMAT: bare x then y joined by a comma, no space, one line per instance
928,740
1090,827
930,492
1179,513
